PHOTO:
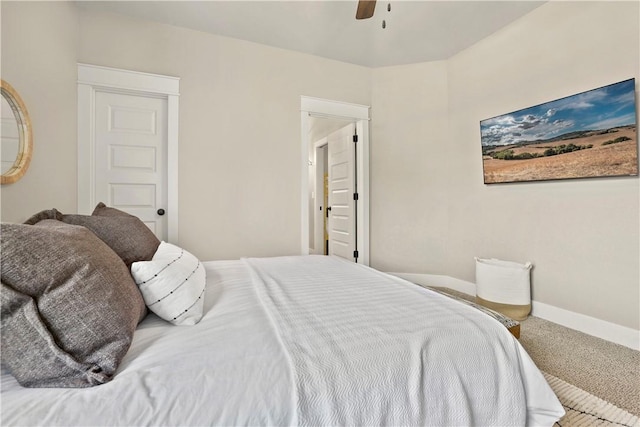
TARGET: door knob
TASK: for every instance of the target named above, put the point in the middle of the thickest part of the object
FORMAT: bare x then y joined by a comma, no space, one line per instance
160,212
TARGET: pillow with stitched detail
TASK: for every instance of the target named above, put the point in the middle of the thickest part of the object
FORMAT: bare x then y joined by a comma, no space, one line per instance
172,284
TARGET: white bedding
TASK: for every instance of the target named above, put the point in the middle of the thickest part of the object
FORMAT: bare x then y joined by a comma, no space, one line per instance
308,341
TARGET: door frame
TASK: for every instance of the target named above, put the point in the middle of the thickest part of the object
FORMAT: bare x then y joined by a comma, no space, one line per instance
359,114
319,216
92,78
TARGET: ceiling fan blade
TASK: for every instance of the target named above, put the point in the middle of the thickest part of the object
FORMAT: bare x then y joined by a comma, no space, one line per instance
365,9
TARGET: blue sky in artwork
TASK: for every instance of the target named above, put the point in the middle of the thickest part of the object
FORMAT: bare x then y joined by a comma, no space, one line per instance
603,108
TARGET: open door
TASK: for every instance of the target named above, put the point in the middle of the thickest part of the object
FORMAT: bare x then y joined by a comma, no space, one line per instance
342,193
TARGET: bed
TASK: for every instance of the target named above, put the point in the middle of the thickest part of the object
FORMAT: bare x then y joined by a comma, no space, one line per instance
306,340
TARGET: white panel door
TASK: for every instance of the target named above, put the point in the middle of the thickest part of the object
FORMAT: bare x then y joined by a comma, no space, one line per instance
131,156
342,227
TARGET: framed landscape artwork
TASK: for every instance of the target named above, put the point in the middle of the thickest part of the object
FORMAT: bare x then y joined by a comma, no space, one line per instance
590,134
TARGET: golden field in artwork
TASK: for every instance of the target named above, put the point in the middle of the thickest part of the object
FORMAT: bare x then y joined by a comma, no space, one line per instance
612,152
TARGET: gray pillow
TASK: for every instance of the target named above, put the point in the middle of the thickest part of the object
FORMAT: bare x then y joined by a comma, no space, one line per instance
126,234
69,305
48,214
103,210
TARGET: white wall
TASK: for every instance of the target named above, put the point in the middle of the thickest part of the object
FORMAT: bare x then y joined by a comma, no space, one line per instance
39,48
581,235
409,175
239,126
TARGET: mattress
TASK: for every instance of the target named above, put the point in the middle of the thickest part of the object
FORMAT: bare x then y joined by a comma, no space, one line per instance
308,340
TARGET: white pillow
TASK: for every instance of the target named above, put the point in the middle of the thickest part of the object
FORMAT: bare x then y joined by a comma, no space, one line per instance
172,284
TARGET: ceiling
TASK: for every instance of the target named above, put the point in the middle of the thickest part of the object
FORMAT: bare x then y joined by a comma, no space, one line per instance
416,31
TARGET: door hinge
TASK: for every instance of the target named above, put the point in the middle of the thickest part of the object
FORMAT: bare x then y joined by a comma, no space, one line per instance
355,196
355,254
355,138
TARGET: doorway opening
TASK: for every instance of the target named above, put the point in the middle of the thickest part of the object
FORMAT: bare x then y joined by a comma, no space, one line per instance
319,119
333,189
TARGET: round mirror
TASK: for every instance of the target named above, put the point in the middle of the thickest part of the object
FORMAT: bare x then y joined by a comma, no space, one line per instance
16,143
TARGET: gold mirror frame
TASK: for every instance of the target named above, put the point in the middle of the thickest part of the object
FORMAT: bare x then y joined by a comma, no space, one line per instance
25,148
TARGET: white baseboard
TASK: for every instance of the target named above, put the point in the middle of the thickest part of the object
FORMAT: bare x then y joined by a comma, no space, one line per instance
618,334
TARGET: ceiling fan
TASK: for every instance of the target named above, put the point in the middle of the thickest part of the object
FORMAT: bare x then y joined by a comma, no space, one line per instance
365,9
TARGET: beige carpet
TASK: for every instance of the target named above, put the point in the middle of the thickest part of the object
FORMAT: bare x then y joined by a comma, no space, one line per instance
604,369
584,409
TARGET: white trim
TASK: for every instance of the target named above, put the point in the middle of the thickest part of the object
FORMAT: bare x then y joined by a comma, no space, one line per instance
362,161
114,78
327,108
304,187
618,334
172,168
360,114
608,331
319,215
92,78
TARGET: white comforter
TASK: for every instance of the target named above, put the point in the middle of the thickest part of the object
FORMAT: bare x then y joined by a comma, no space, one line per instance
308,341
